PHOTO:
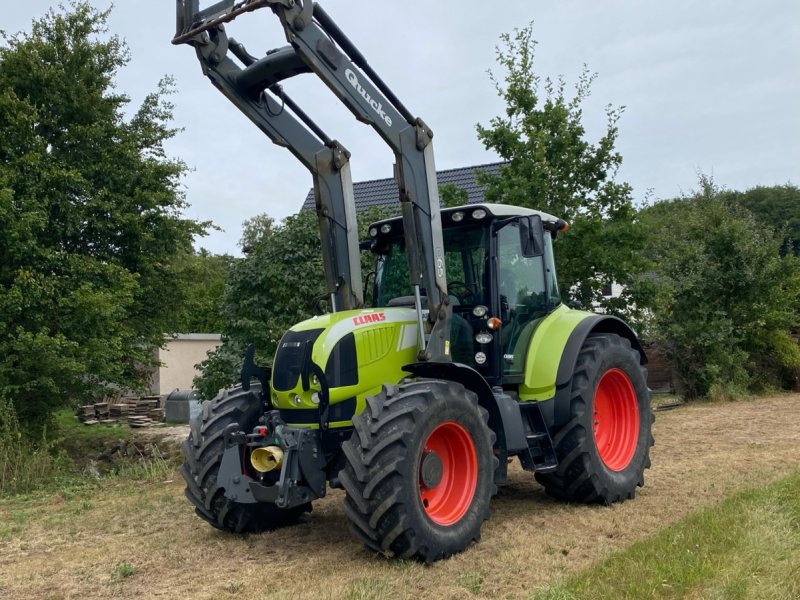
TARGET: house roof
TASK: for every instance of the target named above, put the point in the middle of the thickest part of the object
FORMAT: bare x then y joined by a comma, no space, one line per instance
383,192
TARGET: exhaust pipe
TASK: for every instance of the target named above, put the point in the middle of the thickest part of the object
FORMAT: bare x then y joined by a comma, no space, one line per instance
266,458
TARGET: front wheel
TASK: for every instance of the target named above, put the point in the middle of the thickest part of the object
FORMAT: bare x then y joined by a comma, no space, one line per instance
419,470
604,448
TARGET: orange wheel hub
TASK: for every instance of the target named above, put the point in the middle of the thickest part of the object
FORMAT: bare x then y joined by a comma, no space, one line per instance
615,421
448,473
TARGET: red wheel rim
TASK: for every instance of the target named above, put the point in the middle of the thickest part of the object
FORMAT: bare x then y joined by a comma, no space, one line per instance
616,419
448,500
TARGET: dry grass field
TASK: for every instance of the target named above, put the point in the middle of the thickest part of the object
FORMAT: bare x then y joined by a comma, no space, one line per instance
127,540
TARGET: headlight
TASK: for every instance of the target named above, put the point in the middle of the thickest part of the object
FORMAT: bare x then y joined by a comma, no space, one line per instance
480,358
478,214
480,311
457,216
483,337
386,228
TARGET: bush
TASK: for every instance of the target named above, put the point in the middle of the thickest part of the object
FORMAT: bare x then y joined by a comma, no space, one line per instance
726,298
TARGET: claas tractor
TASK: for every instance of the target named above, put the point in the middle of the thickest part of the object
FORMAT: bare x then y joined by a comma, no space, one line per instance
466,358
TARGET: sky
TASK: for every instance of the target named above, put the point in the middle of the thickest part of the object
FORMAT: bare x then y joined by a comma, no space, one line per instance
709,87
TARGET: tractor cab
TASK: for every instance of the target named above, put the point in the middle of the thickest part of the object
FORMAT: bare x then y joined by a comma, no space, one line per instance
501,281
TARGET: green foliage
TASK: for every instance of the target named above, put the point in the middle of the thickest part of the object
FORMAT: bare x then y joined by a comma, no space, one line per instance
726,299
124,570
451,195
271,289
776,207
90,219
552,167
200,284
267,292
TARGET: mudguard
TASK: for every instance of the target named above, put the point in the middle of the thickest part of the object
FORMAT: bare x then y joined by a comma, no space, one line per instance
592,324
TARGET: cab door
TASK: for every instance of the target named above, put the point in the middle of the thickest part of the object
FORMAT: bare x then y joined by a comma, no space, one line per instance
526,286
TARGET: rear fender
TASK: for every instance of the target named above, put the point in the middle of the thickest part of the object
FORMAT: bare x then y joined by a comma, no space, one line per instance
566,367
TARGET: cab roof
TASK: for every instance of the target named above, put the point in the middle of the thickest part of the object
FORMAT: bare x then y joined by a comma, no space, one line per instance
494,210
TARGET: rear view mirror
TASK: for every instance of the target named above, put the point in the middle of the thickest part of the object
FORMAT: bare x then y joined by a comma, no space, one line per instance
531,235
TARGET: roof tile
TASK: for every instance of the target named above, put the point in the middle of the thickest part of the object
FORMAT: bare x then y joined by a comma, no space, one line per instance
383,192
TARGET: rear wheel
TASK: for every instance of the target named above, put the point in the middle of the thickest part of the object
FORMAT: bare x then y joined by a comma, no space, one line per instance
203,451
419,470
604,447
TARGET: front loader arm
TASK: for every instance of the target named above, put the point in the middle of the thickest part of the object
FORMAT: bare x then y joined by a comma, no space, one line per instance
317,44
327,160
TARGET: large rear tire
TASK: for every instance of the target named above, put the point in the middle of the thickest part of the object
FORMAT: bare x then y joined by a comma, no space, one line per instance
604,448
419,470
202,452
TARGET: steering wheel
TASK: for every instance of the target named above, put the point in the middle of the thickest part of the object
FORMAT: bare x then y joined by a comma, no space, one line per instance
465,291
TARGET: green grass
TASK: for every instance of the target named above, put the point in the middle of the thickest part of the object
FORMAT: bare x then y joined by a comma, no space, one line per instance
153,469
58,461
123,570
472,581
24,462
369,588
746,547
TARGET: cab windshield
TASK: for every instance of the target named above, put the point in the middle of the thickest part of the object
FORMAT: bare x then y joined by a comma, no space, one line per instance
466,252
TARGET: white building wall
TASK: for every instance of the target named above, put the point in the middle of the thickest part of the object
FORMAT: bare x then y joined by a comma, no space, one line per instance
178,359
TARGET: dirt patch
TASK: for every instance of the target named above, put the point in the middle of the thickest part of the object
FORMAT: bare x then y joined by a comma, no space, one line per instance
62,549
169,435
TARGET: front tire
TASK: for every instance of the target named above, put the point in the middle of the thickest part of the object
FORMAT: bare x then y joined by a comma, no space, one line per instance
604,448
202,452
419,470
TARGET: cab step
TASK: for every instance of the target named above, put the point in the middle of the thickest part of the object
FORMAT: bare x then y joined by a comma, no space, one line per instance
540,456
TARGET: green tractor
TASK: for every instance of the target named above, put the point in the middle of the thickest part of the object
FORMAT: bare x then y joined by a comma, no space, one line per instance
467,358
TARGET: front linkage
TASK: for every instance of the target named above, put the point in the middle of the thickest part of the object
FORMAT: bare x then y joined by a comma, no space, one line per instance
287,464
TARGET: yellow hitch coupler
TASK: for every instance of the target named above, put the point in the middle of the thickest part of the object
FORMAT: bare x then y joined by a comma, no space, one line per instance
266,458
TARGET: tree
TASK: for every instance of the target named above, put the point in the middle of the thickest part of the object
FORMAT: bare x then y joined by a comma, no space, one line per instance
552,167
90,217
451,195
776,207
201,278
726,300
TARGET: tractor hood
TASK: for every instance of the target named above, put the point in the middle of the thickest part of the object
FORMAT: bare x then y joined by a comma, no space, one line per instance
353,352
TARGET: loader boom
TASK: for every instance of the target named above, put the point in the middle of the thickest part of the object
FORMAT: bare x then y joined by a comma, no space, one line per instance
317,45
